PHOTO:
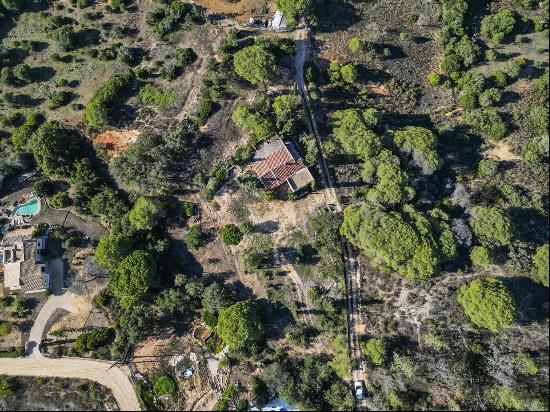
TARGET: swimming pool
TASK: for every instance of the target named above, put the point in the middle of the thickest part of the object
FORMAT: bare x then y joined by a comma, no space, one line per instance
27,209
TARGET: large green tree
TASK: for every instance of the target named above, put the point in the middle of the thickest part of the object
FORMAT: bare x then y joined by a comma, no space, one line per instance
112,249
254,63
487,303
491,226
133,278
56,148
292,9
240,325
145,214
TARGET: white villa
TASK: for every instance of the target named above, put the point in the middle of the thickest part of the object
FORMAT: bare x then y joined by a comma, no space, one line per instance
25,270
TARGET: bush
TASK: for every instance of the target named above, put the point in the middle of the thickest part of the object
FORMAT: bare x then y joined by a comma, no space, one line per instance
498,26
375,351
356,45
194,237
60,200
434,79
93,340
231,234
185,57
150,94
5,328
22,136
349,73
487,303
488,122
479,256
490,97
58,99
204,111
540,265
164,385
487,167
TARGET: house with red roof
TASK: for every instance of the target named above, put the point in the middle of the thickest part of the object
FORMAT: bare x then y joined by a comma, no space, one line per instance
278,163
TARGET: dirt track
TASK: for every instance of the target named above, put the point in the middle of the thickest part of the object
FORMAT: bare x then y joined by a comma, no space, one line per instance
113,378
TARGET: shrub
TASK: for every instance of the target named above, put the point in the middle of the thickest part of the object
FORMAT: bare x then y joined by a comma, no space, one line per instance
525,364
60,200
488,122
434,78
5,328
540,265
231,234
491,226
58,99
185,57
497,26
194,237
490,97
153,95
375,351
349,73
487,167
22,136
356,45
204,111
164,385
93,340
479,256
487,303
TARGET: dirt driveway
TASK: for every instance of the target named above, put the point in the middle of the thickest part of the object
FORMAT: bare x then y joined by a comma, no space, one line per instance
114,378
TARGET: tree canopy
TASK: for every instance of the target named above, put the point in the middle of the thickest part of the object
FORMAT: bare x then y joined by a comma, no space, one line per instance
240,325
145,214
487,303
412,243
254,63
540,265
133,277
56,148
491,226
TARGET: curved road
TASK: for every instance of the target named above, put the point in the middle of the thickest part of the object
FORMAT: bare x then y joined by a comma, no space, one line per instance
35,364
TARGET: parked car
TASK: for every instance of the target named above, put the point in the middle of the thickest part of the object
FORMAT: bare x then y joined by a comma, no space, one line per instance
360,390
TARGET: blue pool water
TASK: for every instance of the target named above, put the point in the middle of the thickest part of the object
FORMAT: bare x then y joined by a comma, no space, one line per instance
27,209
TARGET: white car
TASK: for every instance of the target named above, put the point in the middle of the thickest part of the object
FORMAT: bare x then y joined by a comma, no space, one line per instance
360,390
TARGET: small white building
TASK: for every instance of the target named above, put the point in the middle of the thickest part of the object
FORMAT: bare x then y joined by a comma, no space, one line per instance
279,21
24,267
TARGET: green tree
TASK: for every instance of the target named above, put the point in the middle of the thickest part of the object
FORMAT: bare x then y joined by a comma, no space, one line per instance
479,256
540,265
164,385
133,277
5,328
137,322
349,73
491,226
487,303
375,351
108,204
292,10
356,45
497,26
487,167
22,136
231,234
107,99
112,249
185,57
93,340
239,325
173,301
55,148
215,298
145,214
194,237
339,398
254,63
352,131
422,143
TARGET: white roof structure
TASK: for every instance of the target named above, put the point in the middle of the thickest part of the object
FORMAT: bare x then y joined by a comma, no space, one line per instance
279,21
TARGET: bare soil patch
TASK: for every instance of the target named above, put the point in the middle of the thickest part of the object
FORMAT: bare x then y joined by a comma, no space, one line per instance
115,141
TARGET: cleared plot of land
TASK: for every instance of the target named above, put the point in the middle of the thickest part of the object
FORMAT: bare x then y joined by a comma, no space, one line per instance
240,10
115,141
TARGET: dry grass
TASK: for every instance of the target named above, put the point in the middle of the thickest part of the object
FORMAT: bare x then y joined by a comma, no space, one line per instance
241,10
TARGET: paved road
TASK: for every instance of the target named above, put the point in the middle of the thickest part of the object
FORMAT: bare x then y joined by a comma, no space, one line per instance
35,364
352,272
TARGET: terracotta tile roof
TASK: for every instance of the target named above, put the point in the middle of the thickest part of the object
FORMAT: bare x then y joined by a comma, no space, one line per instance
277,168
